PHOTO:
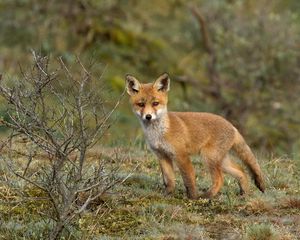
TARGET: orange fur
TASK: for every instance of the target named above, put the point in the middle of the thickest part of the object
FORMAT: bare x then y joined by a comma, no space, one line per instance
175,136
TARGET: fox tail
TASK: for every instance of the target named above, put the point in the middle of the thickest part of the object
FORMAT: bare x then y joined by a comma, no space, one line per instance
245,154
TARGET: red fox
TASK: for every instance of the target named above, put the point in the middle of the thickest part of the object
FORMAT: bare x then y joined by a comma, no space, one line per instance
175,136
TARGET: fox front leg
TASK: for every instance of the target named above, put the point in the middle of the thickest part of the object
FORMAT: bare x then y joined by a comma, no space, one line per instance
167,170
188,175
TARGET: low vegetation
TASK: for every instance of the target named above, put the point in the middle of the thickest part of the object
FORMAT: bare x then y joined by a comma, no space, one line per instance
138,209
236,58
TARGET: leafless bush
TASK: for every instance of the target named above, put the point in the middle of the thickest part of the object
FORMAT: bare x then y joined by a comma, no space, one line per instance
62,114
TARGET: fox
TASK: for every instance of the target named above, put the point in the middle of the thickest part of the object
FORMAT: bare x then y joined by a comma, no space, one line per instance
175,136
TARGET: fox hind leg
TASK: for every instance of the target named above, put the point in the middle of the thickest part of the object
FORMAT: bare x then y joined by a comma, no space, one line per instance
217,181
234,170
213,161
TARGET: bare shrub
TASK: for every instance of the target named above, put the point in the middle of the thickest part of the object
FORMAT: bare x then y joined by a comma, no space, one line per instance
61,114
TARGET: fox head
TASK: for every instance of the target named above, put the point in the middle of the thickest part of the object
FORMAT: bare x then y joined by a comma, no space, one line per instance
149,100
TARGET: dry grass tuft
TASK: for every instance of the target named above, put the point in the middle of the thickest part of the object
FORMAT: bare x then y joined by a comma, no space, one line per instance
258,206
290,202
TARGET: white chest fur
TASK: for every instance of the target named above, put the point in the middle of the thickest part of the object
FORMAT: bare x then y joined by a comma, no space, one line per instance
155,136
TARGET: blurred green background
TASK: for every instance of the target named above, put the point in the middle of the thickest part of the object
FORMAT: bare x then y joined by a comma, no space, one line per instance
245,66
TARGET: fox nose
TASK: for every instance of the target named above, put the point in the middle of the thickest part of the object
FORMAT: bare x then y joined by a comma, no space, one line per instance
148,117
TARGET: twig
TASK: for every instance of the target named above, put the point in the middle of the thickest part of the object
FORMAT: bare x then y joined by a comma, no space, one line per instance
37,63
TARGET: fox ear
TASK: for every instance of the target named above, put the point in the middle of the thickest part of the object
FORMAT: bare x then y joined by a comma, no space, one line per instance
162,83
132,85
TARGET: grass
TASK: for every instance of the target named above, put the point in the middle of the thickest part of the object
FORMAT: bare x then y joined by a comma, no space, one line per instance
138,209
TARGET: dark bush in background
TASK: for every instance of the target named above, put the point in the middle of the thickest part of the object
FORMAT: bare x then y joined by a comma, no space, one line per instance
235,58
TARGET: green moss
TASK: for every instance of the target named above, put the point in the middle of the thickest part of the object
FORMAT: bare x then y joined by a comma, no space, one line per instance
115,223
29,206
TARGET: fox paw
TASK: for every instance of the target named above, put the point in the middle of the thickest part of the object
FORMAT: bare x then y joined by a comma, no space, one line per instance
193,196
207,195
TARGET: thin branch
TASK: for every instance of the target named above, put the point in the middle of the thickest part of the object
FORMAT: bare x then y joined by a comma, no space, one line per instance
107,117
203,27
36,59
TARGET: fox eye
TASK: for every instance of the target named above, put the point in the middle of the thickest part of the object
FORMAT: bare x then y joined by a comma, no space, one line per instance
141,104
154,104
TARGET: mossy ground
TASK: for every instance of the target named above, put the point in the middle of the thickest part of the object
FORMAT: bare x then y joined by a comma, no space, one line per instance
138,209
